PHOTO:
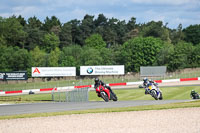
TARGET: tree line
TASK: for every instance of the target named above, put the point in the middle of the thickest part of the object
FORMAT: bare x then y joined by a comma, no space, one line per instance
96,41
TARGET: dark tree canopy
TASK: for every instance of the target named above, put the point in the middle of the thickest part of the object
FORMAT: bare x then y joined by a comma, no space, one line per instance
96,40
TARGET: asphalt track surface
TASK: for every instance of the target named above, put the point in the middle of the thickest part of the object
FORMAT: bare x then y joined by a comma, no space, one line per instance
14,109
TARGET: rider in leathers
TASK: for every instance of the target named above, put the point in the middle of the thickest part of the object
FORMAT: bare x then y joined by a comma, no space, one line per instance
99,82
148,83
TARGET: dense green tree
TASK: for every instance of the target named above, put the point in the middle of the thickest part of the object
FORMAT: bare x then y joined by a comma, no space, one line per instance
87,27
21,59
107,56
14,59
192,34
68,61
140,52
90,56
95,41
176,35
2,40
100,23
34,38
50,42
131,25
110,34
33,23
13,32
65,35
99,41
49,23
181,56
21,20
53,58
70,56
5,58
131,34
196,56
117,51
76,31
121,30
156,29
163,57
38,57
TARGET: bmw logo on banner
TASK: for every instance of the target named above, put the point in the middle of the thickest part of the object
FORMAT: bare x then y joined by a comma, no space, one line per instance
89,70
102,70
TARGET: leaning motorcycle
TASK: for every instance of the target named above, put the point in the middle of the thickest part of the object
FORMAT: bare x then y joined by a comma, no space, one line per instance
105,94
154,92
195,96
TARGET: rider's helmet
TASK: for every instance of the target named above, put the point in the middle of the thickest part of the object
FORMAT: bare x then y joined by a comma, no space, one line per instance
192,92
150,80
96,80
145,79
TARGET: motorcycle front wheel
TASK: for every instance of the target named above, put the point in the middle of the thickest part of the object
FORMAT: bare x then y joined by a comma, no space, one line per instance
154,94
161,96
104,96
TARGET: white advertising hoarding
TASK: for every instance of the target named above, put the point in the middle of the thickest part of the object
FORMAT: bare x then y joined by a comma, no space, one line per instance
53,71
102,70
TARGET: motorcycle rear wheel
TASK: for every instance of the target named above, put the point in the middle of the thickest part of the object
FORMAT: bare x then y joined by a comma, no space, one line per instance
114,97
196,96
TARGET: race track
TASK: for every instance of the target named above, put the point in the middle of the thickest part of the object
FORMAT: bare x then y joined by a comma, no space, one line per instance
13,109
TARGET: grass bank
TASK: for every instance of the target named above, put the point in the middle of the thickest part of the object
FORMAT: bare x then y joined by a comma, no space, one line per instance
122,94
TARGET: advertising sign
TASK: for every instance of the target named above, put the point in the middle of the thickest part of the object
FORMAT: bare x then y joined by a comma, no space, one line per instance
13,76
102,70
53,71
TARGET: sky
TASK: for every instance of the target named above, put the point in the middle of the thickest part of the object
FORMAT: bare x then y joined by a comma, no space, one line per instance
173,12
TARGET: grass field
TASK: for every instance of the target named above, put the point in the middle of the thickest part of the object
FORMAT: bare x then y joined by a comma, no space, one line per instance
138,94
122,94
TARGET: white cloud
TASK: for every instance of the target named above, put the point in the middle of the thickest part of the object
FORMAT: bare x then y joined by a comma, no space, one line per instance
171,11
26,11
168,2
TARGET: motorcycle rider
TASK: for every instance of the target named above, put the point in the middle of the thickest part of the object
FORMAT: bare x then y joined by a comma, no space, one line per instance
150,83
99,82
194,95
145,83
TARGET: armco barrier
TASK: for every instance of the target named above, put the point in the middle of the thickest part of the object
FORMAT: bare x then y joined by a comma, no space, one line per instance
91,86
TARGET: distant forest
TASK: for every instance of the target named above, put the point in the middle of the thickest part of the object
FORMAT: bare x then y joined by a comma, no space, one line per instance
96,41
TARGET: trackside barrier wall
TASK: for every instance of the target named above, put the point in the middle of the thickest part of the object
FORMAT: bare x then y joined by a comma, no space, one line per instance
91,86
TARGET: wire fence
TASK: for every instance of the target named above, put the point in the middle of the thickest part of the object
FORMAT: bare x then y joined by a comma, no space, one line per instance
75,95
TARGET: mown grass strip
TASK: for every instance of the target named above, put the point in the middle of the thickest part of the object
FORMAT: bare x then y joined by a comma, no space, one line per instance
107,110
175,93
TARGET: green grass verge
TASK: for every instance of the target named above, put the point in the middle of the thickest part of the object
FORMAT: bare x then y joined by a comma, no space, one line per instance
178,93
122,94
106,110
26,98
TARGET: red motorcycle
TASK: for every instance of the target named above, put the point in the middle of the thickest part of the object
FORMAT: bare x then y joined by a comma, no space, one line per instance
104,93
